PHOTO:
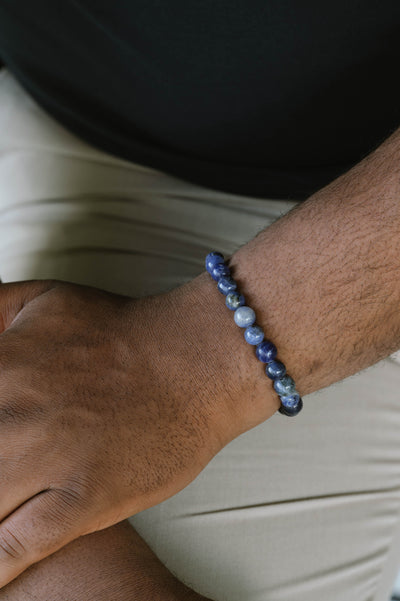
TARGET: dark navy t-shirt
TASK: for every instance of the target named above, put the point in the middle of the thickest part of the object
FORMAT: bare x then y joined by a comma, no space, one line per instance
267,98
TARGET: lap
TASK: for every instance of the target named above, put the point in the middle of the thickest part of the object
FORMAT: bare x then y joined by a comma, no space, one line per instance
304,508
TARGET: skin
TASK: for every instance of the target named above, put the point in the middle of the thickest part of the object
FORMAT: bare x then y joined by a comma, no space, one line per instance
110,564
93,427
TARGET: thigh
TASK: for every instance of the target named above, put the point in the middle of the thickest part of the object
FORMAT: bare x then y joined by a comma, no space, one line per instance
307,508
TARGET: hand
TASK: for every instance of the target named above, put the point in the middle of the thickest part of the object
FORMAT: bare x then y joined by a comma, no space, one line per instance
114,563
96,419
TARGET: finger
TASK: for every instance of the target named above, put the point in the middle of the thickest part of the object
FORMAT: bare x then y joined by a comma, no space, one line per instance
15,296
40,527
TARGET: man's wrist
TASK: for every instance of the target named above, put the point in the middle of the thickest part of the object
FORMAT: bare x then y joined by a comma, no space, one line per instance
194,351
323,279
323,283
225,366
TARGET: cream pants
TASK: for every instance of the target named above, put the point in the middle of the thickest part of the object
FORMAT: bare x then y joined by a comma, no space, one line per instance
304,509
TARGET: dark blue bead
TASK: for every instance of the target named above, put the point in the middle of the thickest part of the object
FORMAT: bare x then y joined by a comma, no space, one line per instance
234,300
226,285
291,405
266,351
212,259
275,370
219,271
290,400
253,334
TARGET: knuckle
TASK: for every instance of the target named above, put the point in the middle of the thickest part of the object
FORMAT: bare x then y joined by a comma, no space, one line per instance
63,301
79,490
12,549
69,498
70,501
36,287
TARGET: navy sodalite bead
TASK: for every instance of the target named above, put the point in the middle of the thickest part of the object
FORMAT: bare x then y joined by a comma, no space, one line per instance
253,334
220,270
275,370
266,351
212,259
285,385
291,405
234,300
226,285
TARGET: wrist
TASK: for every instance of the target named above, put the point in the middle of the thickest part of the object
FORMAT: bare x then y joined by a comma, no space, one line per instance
197,353
224,366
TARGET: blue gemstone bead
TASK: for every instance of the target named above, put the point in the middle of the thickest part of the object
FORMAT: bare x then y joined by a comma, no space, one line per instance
212,259
253,334
290,400
219,271
291,412
266,351
244,316
291,405
275,370
285,385
234,300
226,285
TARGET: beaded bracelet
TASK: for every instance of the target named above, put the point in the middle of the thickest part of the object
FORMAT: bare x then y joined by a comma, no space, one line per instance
291,401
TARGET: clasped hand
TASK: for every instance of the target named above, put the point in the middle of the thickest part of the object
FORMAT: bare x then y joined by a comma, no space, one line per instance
95,422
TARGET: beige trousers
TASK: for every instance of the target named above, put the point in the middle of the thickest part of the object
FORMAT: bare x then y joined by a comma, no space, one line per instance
304,509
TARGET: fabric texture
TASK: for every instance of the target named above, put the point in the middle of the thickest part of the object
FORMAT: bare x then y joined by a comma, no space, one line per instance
305,508
271,99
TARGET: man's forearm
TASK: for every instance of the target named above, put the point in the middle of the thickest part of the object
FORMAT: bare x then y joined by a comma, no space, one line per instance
324,281
114,564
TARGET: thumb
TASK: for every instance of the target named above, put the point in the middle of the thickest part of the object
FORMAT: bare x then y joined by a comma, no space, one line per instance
16,295
38,528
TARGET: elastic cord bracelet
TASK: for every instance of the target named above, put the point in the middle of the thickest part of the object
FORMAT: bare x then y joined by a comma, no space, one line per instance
291,401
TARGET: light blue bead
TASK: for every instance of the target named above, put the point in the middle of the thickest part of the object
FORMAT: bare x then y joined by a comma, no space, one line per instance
212,259
275,370
291,405
234,300
226,285
285,385
254,334
244,316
